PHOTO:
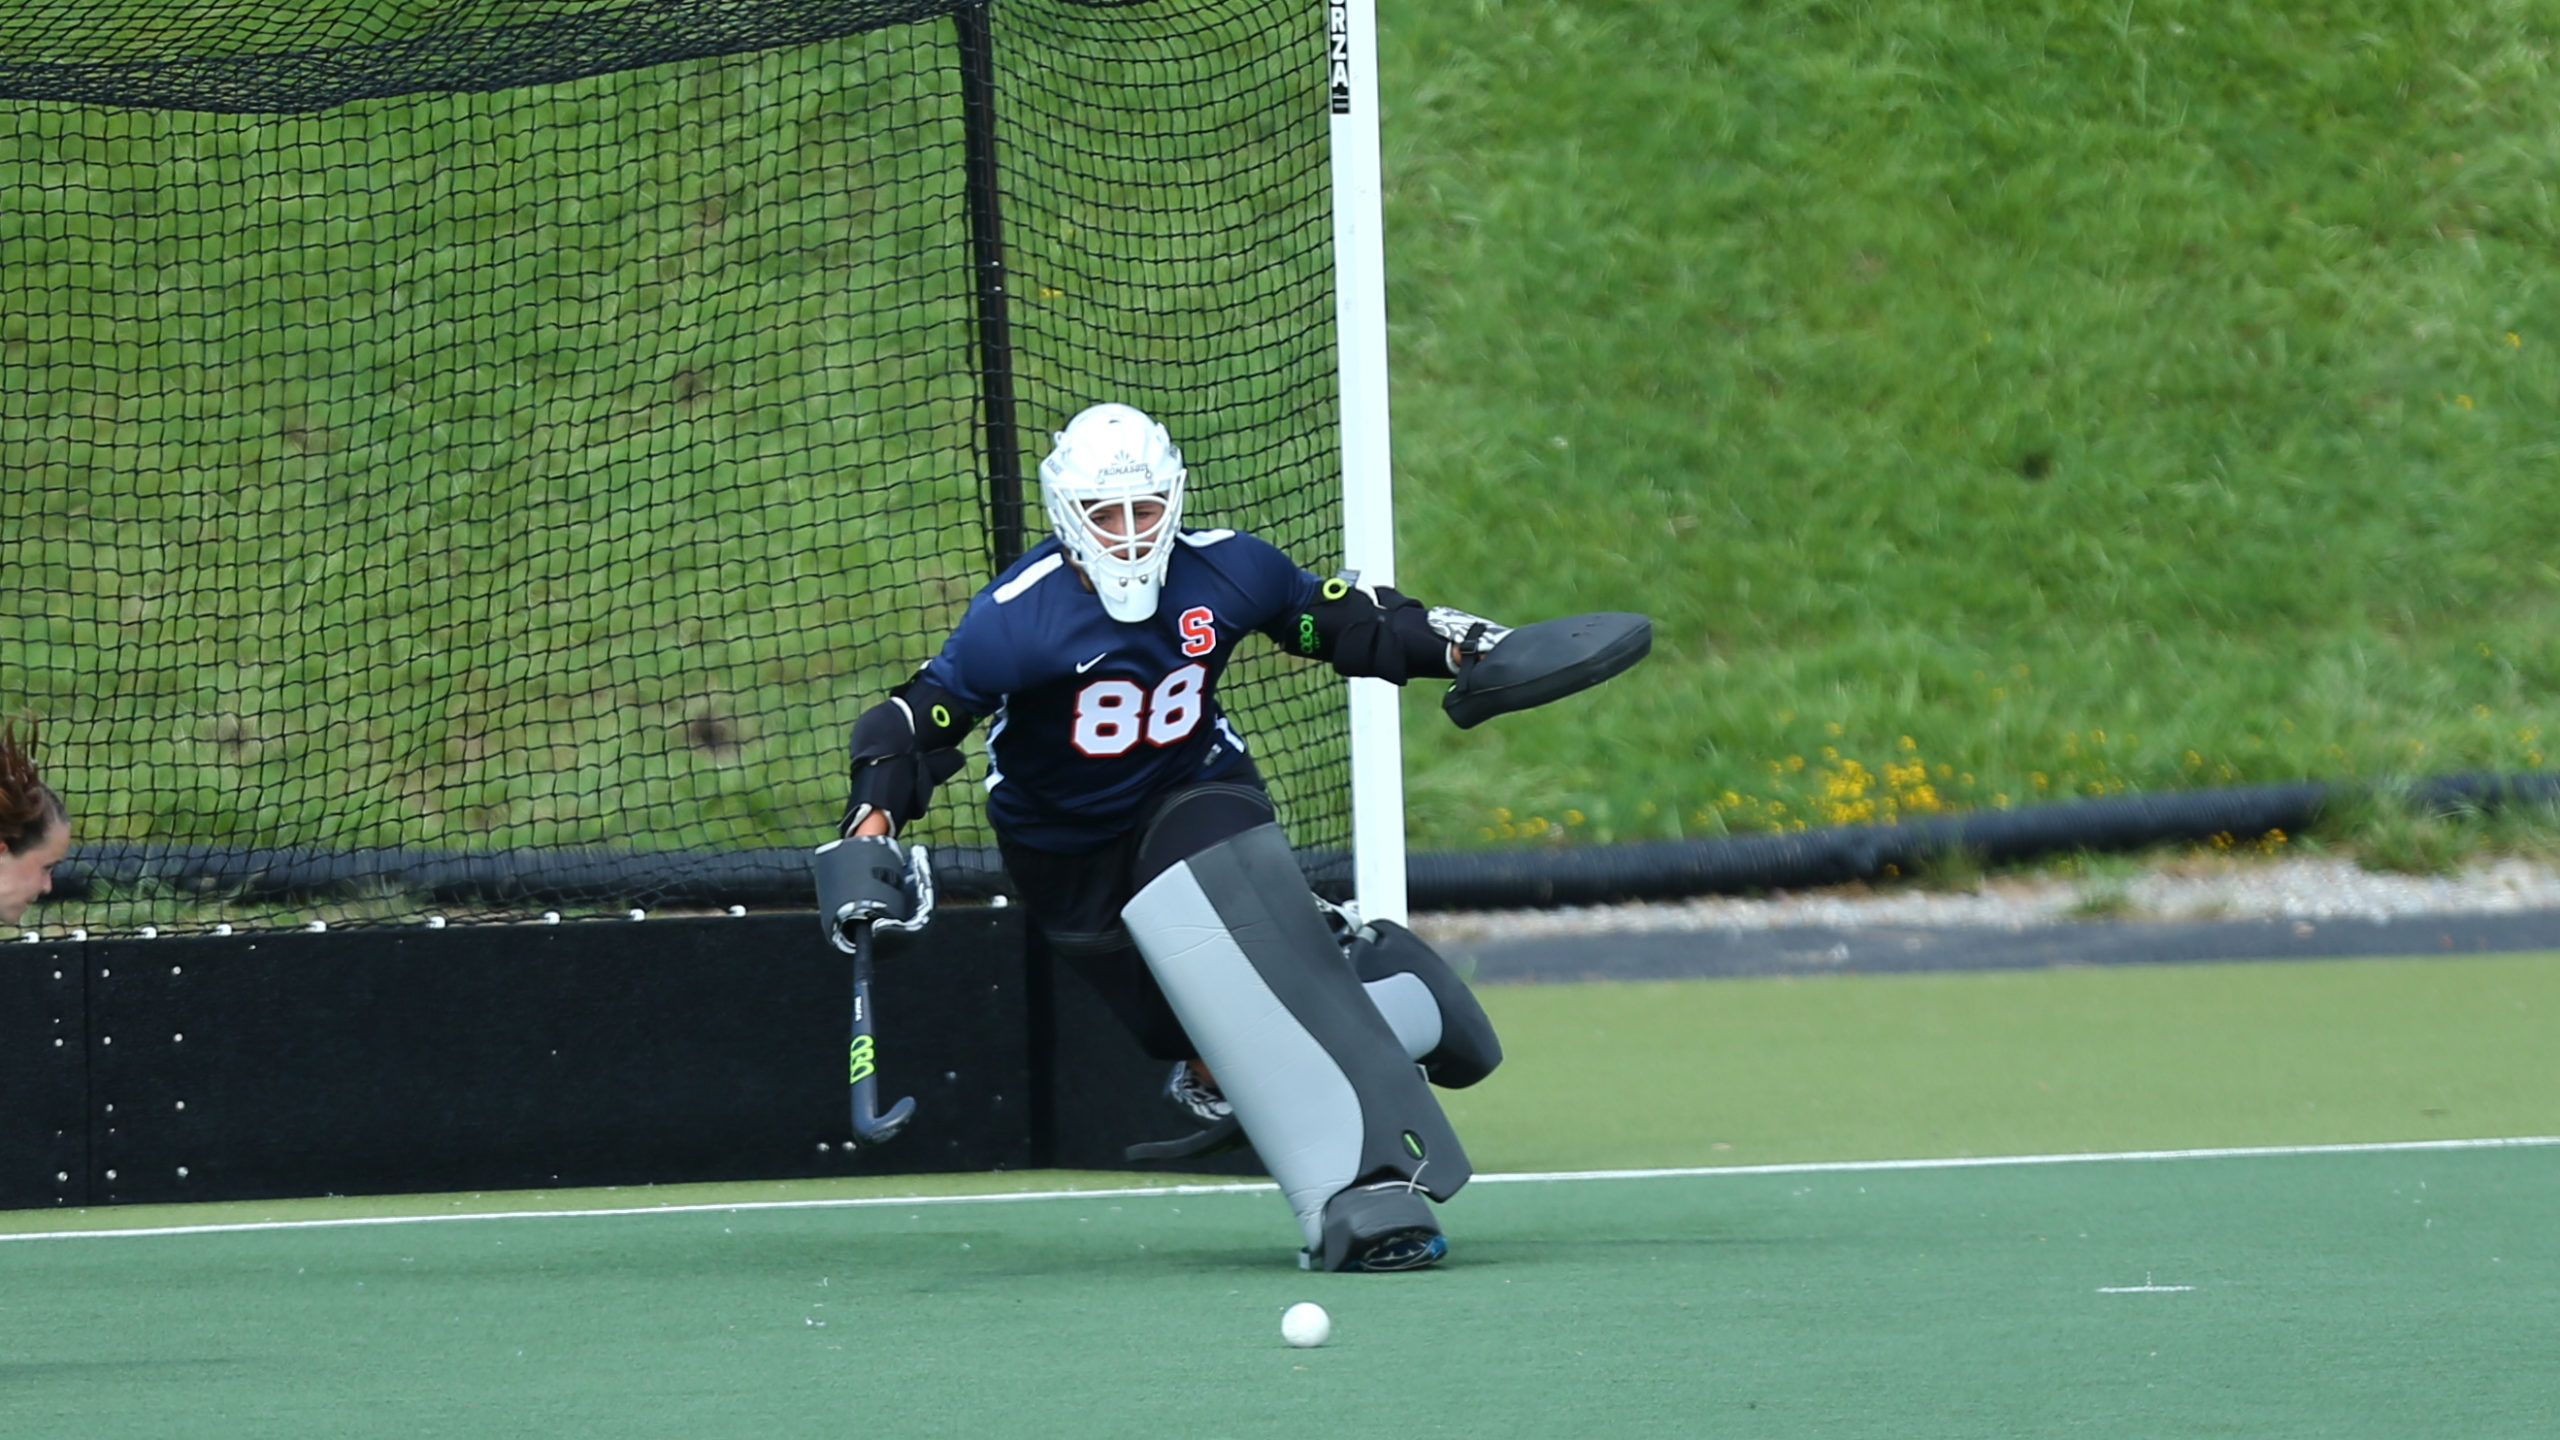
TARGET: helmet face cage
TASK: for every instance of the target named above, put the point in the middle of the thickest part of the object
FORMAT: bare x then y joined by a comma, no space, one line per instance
1116,532
1108,461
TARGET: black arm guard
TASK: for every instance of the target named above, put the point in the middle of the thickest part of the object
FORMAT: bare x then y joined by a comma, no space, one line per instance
1366,630
902,748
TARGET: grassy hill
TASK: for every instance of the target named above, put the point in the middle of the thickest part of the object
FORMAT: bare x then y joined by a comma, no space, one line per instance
1990,402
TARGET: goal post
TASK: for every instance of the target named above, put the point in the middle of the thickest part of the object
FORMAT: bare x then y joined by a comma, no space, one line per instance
1368,487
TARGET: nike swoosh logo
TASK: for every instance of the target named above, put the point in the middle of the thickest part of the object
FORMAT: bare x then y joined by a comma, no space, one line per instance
1096,660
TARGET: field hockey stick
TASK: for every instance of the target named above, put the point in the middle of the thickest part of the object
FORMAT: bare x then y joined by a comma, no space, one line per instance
864,1070
854,910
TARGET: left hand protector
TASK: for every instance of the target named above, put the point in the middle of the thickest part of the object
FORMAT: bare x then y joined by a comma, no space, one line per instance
864,881
1546,661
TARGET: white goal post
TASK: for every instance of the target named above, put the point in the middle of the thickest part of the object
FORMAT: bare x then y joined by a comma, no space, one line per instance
1368,489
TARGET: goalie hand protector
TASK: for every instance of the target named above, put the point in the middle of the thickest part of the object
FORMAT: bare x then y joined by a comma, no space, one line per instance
1545,661
902,748
865,881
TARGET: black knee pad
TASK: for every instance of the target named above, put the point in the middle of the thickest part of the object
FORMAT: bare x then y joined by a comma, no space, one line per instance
1194,819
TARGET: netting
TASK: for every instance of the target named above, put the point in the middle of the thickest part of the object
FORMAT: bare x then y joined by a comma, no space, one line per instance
480,459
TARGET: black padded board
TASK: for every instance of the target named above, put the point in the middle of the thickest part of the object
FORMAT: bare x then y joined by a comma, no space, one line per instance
44,1135
512,1057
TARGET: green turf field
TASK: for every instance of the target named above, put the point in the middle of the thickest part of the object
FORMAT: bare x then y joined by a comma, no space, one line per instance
2336,1293
2365,1294
2136,1057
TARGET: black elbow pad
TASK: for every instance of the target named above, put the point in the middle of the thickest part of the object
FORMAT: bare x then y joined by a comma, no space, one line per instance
1367,630
901,749
936,717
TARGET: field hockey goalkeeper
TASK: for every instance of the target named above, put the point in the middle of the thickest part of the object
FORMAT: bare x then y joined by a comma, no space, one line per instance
1138,834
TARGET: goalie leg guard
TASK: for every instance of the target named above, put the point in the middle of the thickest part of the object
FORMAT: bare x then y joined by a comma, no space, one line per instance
1432,1011
1325,1091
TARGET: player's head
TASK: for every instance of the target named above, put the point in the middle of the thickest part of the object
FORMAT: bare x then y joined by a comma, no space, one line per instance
1113,488
35,831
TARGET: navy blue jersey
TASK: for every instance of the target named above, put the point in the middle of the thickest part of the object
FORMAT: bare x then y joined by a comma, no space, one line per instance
1093,717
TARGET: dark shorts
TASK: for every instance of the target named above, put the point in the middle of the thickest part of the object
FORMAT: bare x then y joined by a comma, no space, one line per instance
1076,900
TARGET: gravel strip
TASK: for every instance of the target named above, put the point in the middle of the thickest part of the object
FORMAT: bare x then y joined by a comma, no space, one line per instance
2210,888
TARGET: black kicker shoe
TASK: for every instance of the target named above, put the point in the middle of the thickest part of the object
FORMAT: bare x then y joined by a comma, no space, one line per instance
1405,1250
1409,1250
1378,1227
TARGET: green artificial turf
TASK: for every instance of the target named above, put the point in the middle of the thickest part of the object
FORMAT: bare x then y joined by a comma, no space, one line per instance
2329,1294
1706,1072
2334,1295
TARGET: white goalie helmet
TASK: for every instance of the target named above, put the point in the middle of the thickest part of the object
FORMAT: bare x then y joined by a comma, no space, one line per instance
1109,460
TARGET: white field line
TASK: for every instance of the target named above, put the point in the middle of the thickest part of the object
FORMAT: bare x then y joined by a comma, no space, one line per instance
2144,1289
1827,1167
1143,1192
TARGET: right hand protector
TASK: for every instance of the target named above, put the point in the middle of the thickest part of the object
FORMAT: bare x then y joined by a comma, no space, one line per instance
864,881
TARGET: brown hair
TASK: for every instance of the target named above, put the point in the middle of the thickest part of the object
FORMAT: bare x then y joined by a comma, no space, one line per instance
28,807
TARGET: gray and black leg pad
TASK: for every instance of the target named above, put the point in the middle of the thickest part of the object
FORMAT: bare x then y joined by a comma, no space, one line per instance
1431,1010
1323,1087
1546,661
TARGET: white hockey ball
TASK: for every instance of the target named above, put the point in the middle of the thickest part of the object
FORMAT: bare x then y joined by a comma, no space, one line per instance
1305,1325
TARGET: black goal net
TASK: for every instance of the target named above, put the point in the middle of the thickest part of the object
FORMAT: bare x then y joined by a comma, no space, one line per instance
479,457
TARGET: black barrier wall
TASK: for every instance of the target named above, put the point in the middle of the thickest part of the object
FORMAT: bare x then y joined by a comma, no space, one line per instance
1103,1094
524,1057
44,1077
506,1057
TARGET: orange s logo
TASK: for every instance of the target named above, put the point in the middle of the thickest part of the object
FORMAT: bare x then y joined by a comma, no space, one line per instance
1199,631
